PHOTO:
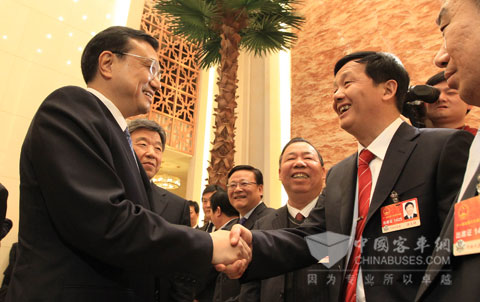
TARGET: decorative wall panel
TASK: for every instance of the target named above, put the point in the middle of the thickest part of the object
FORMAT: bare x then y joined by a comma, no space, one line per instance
174,106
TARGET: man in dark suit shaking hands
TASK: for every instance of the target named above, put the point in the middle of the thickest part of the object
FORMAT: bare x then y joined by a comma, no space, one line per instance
385,256
87,231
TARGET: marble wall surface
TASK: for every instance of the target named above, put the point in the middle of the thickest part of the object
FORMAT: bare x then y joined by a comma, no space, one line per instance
334,28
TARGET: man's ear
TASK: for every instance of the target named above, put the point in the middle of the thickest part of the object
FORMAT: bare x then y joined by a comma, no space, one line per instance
390,89
105,63
218,212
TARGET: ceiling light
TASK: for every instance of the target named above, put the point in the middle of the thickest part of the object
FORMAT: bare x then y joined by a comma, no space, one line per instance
60,18
39,50
84,17
49,36
167,181
5,37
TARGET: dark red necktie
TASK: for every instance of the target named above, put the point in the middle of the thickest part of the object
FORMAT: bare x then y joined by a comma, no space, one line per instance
299,217
364,188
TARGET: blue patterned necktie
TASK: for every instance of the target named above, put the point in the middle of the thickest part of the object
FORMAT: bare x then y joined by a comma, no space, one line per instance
129,139
242,220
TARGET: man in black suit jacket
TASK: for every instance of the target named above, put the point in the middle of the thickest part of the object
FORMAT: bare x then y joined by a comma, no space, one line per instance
301,172
409,163
87,231
215,286
457,280
224,216
245,193
148,140
194,212
207,193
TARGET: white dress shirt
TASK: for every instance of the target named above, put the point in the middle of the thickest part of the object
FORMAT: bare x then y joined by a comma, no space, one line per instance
379,148
472,165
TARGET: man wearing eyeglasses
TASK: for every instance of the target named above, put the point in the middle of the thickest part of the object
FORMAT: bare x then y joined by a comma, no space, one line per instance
87,231
245,192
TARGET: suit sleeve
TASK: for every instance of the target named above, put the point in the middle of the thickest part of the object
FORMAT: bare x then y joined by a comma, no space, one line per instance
186,215
69,150
451,169
286,244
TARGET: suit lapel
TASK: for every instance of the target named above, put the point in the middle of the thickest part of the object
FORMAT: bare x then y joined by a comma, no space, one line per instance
398,152
346,195
471,189
159,201
434,268
280,220
253,217
447,233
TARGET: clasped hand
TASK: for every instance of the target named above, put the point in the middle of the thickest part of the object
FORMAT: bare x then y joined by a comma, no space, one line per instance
232,251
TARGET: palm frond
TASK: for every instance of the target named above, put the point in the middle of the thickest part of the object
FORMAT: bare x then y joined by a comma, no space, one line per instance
268,36
209,53
279,12
190,18
248,5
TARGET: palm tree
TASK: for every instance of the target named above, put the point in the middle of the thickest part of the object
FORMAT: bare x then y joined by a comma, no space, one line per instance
222,28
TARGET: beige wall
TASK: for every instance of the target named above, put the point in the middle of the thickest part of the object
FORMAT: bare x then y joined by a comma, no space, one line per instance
335,28
39,53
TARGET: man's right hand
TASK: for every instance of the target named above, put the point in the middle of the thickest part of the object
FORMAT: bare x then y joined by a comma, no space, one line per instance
238,235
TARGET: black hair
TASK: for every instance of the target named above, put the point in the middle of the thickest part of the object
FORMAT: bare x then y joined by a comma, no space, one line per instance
380,67
299,140
212,188
258,174
195,206
115,39
220,199
143,123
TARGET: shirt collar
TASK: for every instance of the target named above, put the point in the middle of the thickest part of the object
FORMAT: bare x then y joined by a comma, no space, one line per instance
111,107
305,211
251,211
380,144
226,223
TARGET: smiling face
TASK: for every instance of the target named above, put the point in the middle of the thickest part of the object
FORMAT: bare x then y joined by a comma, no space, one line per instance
193,217
301,171
459,21
244,198
356,100
449,110
148,147
207,209
133,87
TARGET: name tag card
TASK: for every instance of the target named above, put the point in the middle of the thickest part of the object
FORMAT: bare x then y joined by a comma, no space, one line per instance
466,227
400,215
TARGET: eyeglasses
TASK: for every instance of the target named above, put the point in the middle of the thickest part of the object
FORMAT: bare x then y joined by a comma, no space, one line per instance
154,64
242,184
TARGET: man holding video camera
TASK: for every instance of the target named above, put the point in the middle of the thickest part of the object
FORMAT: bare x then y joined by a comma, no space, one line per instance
449,110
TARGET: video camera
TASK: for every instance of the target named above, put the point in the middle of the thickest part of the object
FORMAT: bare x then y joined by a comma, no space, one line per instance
414,107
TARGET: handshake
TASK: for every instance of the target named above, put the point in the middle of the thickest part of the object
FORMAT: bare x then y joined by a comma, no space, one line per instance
232,251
